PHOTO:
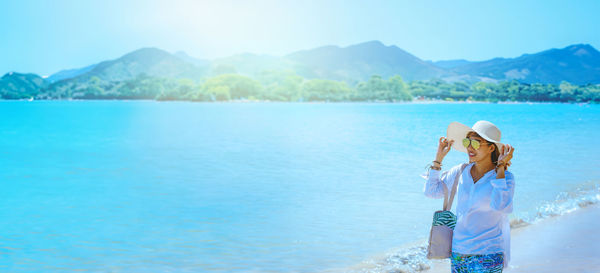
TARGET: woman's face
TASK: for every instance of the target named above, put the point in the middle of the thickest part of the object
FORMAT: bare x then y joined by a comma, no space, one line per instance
484,151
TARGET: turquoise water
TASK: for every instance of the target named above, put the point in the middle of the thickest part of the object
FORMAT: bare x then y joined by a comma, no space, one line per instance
142,186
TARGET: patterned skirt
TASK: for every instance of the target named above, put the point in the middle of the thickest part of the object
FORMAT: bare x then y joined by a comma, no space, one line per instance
469,263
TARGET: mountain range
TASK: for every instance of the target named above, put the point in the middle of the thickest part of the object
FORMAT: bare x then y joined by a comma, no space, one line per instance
578,64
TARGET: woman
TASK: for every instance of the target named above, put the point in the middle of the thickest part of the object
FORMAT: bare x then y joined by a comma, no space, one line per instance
481,238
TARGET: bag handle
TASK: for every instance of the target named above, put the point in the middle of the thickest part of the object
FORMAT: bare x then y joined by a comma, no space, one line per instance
448,203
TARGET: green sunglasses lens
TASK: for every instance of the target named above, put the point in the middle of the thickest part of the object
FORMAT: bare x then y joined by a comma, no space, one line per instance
466,142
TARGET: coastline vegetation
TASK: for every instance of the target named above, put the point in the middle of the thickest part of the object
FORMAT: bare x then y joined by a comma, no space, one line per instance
288,86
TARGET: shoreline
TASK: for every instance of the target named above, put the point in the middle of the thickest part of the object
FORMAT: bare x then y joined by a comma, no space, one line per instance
313,102
556,244
535,243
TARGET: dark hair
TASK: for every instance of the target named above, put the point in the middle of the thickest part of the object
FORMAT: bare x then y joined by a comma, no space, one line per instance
494,154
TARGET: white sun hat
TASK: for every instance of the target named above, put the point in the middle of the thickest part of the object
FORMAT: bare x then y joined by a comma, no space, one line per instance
458,131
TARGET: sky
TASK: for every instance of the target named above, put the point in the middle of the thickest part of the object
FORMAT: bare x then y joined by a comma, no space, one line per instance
44,37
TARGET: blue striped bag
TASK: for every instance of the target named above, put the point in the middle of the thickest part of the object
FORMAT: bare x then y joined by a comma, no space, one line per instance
444,221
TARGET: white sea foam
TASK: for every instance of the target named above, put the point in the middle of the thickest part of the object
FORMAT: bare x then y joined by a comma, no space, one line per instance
402,260
564,203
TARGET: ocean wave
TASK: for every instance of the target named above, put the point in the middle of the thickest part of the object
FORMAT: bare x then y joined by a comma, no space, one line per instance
403,260
565,202
412,258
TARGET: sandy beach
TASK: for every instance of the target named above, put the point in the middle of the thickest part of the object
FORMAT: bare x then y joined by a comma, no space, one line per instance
566,243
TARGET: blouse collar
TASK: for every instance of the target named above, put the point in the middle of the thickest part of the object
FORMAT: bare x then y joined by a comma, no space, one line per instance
484,175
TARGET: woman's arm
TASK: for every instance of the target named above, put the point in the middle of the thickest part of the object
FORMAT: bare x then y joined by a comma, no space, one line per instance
437,180
504,184
434,187
503,189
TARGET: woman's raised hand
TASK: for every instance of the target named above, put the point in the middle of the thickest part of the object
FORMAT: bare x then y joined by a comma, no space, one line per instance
506,154
443,148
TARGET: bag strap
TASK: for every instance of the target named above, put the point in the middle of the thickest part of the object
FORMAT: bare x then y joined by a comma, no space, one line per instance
448,203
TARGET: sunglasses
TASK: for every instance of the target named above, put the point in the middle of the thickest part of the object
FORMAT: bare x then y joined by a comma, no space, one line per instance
473,142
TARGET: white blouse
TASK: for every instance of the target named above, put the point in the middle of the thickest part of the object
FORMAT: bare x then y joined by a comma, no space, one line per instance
482,209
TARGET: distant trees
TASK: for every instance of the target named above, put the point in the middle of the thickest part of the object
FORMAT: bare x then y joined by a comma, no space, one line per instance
376,88
506,91
233,86
325,90
398,89
281,85
288,86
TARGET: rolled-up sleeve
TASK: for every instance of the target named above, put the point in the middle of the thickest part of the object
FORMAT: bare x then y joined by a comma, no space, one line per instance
502,193
434,187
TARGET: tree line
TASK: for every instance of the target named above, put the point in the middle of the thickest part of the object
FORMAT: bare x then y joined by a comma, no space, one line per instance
288,86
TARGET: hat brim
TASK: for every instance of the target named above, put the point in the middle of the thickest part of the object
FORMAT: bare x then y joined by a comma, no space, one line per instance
457,131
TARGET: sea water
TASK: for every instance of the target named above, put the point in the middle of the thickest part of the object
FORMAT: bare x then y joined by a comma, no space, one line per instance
144,186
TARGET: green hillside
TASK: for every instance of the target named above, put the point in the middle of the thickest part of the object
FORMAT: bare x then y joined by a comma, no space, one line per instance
20,86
